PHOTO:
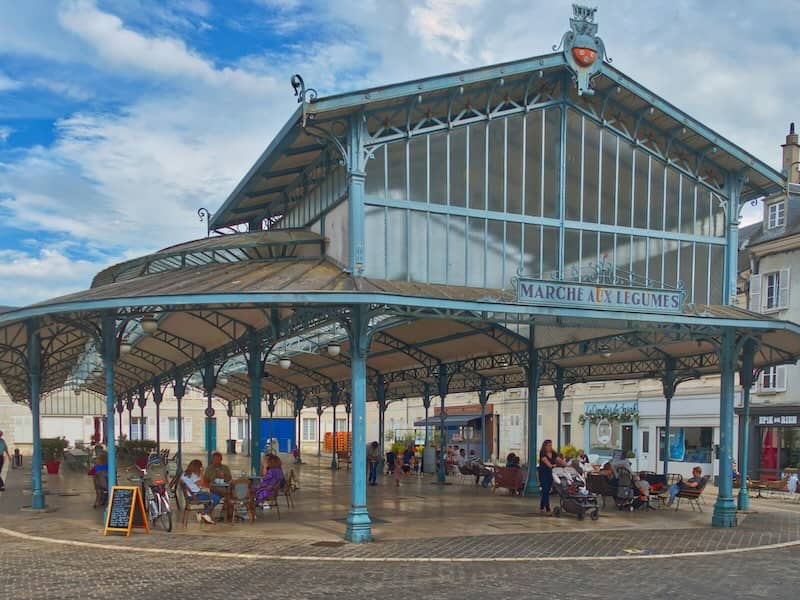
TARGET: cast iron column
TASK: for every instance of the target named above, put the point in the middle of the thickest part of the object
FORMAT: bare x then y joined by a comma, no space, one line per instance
668,384
209,383
443,385
158,398
255,371
426,402
34,381
483,398
109,333
746,380
725,507
334,402
129,405
179,387
359,525
142,402
320,410
380,396
299,401
559,391
532,487
271,409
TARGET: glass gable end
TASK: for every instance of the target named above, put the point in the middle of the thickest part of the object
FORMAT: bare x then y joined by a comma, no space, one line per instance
475,204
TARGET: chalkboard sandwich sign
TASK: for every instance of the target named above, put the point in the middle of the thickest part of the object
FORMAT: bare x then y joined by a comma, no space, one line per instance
125,511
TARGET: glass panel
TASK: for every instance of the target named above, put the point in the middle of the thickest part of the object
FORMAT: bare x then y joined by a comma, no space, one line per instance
639,266
717,269
685,276
768,459
670,263
533,164
591,170
687,205
514,250
624,201
396,155
588,250
496,171
687,444
438,248
673,200
375,184
475,252
654,262
622,253
514,165
609,184
790,447
532,252
495,277
458,167
457,251
656,195
375,241
572,256
549,251
397,266
641,188
477,166
701,274
573,175
418,246
606,247
438,168
718,227
418,169
552,162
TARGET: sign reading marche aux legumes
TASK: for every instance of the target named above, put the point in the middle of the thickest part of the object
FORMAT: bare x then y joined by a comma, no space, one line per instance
590,295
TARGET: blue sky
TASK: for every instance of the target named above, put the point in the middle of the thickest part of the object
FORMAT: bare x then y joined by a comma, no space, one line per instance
120,118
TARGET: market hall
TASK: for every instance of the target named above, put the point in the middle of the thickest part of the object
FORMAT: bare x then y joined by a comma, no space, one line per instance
532,223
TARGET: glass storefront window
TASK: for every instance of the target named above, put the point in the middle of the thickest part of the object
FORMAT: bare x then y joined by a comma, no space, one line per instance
688,444
778,449
603,437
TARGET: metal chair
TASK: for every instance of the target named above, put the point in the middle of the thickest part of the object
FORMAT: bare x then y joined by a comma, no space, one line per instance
190,504
242,497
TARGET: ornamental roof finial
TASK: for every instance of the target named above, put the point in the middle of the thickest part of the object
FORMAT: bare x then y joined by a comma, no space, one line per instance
581,46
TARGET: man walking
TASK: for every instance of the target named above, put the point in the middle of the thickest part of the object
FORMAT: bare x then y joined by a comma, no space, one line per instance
373,459
3,454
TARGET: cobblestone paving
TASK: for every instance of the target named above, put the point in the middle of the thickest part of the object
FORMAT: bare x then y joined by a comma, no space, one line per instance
41,570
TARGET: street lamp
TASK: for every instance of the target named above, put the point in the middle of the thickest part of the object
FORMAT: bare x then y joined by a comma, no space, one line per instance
334,349
284,363
149,324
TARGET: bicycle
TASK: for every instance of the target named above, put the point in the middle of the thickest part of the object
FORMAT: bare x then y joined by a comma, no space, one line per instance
156,499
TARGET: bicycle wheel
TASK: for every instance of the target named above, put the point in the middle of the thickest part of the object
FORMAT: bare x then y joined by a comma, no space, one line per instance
164,517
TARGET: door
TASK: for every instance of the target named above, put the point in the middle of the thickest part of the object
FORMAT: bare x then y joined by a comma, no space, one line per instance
211,434
627,438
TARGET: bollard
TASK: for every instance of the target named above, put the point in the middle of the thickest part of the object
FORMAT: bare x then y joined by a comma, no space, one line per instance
16,461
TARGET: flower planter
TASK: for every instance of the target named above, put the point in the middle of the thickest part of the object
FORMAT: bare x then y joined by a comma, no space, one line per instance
52,466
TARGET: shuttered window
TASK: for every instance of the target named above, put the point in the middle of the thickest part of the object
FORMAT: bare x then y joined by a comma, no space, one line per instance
772,379
769,291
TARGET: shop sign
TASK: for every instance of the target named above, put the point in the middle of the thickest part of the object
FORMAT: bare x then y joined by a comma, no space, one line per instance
604,432
588,295
778,420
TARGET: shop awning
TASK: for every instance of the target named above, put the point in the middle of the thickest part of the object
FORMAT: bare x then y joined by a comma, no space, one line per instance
450,420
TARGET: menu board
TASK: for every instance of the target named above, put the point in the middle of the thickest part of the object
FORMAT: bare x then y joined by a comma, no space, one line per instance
125,511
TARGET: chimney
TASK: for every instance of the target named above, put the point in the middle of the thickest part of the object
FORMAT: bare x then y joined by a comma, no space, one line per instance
791,156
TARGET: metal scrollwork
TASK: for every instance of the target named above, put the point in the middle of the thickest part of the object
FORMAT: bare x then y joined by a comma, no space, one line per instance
205,215
303,94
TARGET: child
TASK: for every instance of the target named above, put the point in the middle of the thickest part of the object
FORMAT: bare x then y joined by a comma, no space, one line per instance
397,473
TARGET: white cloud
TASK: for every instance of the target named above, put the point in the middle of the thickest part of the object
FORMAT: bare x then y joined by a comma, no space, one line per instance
26,278
6,83
4,133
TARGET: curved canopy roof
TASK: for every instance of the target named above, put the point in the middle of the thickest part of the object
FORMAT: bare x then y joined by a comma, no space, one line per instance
297,303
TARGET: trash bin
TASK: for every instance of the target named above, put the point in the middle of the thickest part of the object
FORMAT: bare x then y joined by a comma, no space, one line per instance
231,446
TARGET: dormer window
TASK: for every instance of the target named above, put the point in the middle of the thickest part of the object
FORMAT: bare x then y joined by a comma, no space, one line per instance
776,215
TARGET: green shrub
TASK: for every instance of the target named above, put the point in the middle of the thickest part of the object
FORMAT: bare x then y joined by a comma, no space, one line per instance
569,451
53,448
136,448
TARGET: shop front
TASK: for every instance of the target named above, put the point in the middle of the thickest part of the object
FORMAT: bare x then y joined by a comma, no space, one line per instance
774,451
609,426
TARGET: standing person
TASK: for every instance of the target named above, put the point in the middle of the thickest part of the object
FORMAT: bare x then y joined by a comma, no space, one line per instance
547,460
373,458
3,454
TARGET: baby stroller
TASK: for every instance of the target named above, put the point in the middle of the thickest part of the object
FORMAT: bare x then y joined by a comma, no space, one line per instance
573,496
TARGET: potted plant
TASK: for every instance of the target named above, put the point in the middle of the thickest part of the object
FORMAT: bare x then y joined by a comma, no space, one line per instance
52,453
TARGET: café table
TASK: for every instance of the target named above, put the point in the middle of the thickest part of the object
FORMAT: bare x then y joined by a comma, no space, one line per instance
222,488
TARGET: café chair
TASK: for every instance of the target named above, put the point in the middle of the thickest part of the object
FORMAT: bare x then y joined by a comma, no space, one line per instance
241,497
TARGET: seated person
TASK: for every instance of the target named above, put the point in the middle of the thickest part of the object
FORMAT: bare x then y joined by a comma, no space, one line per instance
408,458
512,460
735,471
461,458
272,480
193,478
100,473
216,470
694,481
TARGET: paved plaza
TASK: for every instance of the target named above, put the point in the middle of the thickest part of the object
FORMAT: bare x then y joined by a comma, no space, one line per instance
454,540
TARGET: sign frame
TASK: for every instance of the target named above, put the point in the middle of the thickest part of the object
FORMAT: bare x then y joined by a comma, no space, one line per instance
137,505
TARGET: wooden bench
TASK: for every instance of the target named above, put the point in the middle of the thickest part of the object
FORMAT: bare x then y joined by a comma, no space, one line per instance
510,478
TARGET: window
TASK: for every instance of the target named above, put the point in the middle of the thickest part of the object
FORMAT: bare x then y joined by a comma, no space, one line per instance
137,433
776,215
645,442
172,429
309,430
772,379
341,424
769,291
687,444
566,428
241,428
